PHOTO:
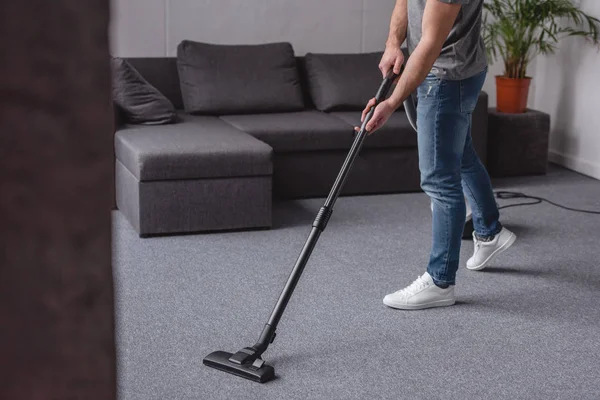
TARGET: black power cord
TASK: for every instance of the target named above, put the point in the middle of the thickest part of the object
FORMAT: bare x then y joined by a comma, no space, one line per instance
537,200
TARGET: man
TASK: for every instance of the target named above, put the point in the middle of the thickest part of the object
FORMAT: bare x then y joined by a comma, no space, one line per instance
447,67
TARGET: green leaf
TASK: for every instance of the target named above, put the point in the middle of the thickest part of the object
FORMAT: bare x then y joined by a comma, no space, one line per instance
518,30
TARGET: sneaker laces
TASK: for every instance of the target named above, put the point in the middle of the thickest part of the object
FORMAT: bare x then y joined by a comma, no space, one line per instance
417,285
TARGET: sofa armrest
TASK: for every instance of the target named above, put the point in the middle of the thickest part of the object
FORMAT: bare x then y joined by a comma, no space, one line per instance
118,118
479,130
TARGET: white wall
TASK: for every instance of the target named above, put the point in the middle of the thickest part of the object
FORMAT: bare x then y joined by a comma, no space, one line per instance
568,88
565,85
154,28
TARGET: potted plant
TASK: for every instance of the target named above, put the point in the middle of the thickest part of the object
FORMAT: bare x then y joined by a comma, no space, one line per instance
518,30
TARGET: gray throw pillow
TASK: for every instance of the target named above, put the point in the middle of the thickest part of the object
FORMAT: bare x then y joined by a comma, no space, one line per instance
139,101
238,79
343,82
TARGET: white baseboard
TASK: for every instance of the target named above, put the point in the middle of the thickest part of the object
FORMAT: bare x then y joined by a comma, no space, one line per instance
576,164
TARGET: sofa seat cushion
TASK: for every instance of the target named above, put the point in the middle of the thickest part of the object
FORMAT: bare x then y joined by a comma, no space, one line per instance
397,132
298,131
196,147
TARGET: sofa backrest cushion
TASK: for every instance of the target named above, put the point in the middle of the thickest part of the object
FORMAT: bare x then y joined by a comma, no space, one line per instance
139,101
238,79
160,72
301,64
342,81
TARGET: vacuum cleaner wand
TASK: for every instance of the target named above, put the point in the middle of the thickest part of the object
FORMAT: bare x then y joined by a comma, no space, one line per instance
247,362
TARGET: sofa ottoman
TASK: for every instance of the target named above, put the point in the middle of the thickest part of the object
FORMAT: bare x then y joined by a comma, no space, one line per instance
200,174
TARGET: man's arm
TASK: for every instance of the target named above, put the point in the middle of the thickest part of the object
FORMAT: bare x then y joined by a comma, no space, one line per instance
393,57
399,24
438,20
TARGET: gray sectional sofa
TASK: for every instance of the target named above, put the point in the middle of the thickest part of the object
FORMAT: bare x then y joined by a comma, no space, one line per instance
222,172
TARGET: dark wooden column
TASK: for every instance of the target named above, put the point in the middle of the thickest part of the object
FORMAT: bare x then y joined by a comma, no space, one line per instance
56,287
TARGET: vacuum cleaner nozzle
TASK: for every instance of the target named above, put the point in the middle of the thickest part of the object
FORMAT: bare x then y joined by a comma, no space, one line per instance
256,371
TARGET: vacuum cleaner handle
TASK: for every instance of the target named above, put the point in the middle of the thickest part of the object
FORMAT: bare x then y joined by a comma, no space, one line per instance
409,104
381,95
386,85
248,362
323,217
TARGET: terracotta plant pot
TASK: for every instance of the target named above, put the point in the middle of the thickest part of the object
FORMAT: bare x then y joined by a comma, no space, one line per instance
512,94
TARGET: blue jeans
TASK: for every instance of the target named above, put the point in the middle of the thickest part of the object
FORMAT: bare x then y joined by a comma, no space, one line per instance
450,169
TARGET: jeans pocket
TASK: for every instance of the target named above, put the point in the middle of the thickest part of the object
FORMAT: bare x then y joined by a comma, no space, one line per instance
429,88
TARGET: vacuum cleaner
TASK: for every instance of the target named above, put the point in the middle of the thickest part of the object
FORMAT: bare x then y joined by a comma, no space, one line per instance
248,363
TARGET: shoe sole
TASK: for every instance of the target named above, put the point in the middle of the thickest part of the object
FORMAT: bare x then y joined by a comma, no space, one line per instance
499,250
439,303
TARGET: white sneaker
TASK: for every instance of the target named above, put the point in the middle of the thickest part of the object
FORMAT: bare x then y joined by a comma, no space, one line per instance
484,251
422,293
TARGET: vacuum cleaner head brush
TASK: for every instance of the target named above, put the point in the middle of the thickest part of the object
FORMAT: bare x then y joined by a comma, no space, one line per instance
256,371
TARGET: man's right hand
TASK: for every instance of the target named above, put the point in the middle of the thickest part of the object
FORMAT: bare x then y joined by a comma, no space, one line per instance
393,58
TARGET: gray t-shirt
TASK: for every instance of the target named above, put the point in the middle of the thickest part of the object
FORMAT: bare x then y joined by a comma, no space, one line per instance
463,54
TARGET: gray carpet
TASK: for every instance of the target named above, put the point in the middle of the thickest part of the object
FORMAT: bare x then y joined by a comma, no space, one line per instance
526,328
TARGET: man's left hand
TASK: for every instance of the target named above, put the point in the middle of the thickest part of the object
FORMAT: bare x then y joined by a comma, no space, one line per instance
383,112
